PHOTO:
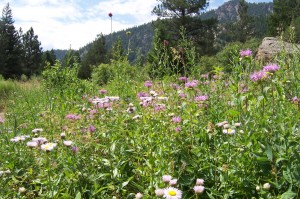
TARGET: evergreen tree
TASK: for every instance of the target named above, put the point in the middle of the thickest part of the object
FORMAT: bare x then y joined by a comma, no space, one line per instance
10,46
184,13
72,57
284,12
32,53
93,57
244,27
49,57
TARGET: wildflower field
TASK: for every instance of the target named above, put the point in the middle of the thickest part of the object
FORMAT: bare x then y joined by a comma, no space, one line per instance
213,135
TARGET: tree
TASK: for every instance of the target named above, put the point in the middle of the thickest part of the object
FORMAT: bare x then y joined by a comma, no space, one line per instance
49,57
32,53
93,57
10,46
244,27
72,57
184,13
284,12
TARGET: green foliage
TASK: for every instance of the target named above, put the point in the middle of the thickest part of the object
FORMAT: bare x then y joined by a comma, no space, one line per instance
102,74
63,80
165,59
292,33
240,136
19,53
93,57
285,11
49,56
10,46
32,53
7,88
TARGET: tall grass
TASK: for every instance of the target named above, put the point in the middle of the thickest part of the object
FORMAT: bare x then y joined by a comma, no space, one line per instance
240,136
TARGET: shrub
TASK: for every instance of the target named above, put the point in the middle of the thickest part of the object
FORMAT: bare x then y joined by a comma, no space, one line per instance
102,74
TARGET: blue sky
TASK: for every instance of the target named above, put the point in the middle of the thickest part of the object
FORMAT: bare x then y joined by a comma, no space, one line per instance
60,24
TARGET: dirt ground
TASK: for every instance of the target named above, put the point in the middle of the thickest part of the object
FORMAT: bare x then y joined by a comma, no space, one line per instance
2,115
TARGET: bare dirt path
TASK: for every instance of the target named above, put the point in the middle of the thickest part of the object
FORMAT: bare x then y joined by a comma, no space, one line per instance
1,115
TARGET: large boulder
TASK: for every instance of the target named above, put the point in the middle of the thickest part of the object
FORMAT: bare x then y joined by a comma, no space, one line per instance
271,46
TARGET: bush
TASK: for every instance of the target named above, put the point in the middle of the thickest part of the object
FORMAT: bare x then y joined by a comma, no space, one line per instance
63,80
102,74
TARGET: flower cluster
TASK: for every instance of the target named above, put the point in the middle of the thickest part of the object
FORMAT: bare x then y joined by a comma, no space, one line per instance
73,117
245,53
271,68
258,76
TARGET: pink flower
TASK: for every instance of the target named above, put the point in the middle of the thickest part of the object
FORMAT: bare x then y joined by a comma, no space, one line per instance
295,100
32,144
199,181
73,117
176,119
166,178
142,94
258,76
166,42
199,189
92,128
178,129
245,53
201,98
148,83
2,120
102,91
138,195
183,79
173,182
271,68
159,192
68,143
191,84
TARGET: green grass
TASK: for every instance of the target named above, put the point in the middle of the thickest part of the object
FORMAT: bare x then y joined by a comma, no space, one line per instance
121,153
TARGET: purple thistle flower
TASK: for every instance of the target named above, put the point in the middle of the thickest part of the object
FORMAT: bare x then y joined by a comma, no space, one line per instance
183,79
271,68
245,53
166,42
75,149
148,83
191,84
73,117
295,100
257,76
102,91
201,98
176,119
92,128
142,94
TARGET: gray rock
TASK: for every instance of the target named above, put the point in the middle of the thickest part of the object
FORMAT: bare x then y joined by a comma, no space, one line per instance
271,46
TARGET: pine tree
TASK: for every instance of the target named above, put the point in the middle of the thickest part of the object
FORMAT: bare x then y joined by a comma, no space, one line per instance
284,12
95,56
10,46
48,57
244,27
176,14
32,53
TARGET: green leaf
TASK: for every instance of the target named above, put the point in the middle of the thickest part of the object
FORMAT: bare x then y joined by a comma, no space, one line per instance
78,195
288,195
269,152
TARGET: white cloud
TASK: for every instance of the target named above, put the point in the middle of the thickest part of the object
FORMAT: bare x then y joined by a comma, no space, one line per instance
61,23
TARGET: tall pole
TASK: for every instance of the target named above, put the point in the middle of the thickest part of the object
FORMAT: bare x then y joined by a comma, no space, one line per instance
110,15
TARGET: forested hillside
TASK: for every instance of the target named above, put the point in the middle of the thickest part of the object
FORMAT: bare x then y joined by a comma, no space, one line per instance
227,14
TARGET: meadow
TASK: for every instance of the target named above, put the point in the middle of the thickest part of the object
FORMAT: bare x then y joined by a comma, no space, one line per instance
211,135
